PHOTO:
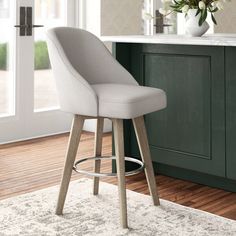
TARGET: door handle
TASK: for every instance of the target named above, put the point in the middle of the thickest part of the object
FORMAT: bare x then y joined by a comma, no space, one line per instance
37,26
26,25
21,26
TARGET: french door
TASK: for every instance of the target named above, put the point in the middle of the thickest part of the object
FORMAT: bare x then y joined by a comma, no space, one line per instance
28,99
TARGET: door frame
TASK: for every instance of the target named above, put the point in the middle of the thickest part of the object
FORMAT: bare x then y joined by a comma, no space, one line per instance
24,123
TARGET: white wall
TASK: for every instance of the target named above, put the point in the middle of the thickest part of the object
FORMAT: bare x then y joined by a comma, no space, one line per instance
113,17
226,19
121,17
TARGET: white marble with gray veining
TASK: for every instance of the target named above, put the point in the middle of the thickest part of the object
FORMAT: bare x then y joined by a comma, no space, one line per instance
206,40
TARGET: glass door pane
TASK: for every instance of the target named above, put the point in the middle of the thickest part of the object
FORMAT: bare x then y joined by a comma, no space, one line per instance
6,50
28,98
50,14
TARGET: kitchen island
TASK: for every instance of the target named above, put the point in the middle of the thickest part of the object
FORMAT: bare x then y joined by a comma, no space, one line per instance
194,138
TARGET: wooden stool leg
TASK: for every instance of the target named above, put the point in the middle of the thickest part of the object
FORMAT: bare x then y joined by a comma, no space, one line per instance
98,152
120,162
74,139
142,139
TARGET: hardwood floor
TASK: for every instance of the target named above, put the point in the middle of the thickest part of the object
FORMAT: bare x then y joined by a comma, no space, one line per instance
31,165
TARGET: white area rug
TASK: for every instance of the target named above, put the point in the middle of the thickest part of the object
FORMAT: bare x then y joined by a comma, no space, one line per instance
84,214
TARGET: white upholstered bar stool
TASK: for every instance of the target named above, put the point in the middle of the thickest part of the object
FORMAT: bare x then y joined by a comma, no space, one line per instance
92,84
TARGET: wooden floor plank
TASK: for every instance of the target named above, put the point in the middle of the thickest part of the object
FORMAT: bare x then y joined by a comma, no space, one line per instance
36,164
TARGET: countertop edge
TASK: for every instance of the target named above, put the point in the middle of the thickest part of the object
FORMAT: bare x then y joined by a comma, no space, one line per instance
216,40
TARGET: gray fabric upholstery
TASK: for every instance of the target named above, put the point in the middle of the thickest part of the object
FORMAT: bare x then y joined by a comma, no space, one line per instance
88,55
128,101
91,82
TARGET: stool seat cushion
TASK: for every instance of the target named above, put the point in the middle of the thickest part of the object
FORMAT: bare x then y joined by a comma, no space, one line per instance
126,101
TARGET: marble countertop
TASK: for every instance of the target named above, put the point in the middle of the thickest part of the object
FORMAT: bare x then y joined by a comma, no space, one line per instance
207,40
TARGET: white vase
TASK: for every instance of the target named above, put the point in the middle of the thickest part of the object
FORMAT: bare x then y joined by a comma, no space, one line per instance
192,27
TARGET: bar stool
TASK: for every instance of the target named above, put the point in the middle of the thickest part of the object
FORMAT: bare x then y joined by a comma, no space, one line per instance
93,85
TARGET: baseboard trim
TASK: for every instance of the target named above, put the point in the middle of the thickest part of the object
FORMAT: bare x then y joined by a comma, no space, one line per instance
188,175
196,177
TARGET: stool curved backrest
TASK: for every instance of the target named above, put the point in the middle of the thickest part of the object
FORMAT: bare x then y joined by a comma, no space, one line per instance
79,59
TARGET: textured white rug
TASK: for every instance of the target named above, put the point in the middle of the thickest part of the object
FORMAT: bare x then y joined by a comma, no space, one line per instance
84,214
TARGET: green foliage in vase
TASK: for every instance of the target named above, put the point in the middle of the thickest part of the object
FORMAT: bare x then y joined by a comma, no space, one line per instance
203,7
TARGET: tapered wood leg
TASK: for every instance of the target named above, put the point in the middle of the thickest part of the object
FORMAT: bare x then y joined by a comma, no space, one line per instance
142,139
120,162
74,139
98,152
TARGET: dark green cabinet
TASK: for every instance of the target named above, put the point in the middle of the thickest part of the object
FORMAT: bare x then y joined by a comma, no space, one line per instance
197,130
231,111
189,133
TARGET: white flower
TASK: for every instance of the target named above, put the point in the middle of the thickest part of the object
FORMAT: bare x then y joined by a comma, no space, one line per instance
164,11
185,8
201,5
219,5
146,16
213,4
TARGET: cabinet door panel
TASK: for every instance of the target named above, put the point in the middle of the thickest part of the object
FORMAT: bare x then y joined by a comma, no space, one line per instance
186,125
189,133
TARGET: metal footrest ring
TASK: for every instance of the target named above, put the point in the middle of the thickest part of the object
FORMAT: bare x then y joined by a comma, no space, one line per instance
128,173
